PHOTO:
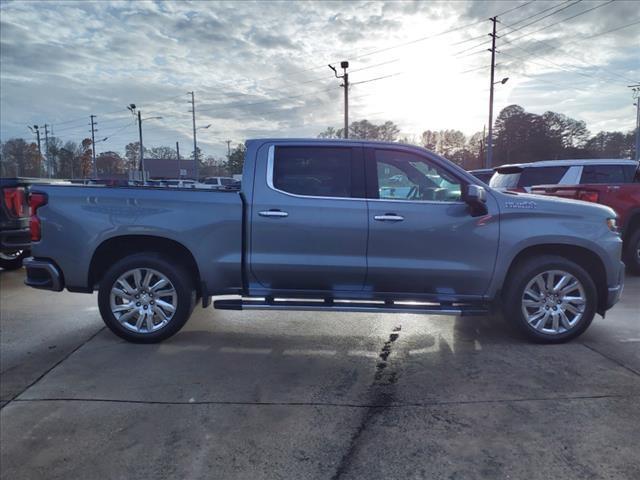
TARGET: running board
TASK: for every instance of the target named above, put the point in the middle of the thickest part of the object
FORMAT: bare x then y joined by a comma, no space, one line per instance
388,306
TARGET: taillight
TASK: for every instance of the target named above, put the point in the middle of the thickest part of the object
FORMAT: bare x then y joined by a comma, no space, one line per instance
588,196
14,201
36,200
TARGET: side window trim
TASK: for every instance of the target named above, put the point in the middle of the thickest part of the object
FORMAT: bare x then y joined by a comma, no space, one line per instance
371,177
270,168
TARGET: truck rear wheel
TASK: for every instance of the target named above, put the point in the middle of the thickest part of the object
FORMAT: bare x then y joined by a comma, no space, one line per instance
632,252
550,299
145,298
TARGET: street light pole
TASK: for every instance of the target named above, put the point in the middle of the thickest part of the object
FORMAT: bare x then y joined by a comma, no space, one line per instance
195,143
636,96
93,146
345,84
178,155
141,167
493,68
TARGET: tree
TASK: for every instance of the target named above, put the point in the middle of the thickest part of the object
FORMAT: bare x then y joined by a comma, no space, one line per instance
330,132
611,145
365,130
163,153
198,155
132,155
109,163
55,145
235,160
20,158
86,158
430,140
69,160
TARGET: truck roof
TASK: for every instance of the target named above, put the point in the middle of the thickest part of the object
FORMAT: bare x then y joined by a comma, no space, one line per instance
570,163
332,141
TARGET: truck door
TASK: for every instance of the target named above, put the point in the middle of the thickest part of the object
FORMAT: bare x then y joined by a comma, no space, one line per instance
309,219
422,237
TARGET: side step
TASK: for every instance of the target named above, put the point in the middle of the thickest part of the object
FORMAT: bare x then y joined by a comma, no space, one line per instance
389,306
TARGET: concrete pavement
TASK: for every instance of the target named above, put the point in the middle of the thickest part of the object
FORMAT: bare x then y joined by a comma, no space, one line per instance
314,395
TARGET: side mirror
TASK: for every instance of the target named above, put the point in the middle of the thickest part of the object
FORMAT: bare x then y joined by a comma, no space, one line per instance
476,197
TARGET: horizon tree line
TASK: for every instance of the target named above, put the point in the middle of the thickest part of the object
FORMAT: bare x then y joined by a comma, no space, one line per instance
520,136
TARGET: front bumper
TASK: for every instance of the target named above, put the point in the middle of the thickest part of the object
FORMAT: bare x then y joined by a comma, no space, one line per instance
15,239
615,292
43,274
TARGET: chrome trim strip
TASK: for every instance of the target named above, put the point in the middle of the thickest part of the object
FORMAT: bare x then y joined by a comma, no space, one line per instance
270,159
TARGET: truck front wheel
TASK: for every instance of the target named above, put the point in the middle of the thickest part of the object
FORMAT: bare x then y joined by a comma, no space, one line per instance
550,299
146,298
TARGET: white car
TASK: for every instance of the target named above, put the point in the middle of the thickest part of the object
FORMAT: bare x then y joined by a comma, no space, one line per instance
521,177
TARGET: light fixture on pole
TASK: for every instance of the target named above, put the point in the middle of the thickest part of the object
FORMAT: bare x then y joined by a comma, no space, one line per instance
345,84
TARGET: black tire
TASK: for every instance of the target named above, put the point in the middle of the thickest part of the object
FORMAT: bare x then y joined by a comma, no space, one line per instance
632,252
526,271
177,275
13,260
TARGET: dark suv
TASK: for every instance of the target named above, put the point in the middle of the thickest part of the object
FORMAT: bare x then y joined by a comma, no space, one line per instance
15,239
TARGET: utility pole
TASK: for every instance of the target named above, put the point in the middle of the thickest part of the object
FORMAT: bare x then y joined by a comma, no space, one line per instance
228,149
141,147
36,130
345,84
636,96
46,147
195,143
93,146
178,154
493,67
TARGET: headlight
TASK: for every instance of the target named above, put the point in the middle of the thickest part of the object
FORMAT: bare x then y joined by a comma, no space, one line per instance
611,223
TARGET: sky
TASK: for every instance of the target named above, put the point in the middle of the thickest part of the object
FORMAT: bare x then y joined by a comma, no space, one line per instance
259,69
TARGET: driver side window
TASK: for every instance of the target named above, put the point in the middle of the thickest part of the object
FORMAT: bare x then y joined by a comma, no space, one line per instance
405,176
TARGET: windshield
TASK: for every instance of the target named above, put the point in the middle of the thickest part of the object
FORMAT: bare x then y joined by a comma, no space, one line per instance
504,180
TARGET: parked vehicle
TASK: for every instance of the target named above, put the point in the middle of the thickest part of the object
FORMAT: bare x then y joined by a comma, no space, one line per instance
316,226
617,187
521,177
483,174
15,238
222,182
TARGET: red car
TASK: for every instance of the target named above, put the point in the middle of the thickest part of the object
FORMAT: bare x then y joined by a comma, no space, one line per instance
617,187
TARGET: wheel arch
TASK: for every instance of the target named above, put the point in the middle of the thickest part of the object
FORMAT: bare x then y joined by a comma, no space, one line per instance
117,248
587,259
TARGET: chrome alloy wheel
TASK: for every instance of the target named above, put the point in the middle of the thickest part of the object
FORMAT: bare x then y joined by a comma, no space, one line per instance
554,302
10,255
143,300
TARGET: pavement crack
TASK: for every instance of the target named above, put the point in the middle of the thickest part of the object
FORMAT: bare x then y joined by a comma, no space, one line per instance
46,372
381,406
381,399
617,362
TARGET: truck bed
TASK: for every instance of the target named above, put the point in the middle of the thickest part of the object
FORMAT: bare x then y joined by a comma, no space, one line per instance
77,219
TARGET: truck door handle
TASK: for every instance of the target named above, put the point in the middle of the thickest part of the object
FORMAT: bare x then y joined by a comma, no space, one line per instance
389,217
273,213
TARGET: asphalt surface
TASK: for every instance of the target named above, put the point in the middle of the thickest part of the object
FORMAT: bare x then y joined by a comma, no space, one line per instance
255,395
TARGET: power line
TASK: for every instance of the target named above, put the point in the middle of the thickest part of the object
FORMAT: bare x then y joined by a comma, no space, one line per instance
563,20
553,47
541,18
558,8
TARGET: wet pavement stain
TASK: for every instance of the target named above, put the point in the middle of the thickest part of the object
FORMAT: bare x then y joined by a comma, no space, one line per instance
381,396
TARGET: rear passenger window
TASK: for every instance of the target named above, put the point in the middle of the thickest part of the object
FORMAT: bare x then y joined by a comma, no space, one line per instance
603,174
317,172
541,176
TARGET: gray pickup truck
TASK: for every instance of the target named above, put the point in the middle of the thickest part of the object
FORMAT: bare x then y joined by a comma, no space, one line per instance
329,225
